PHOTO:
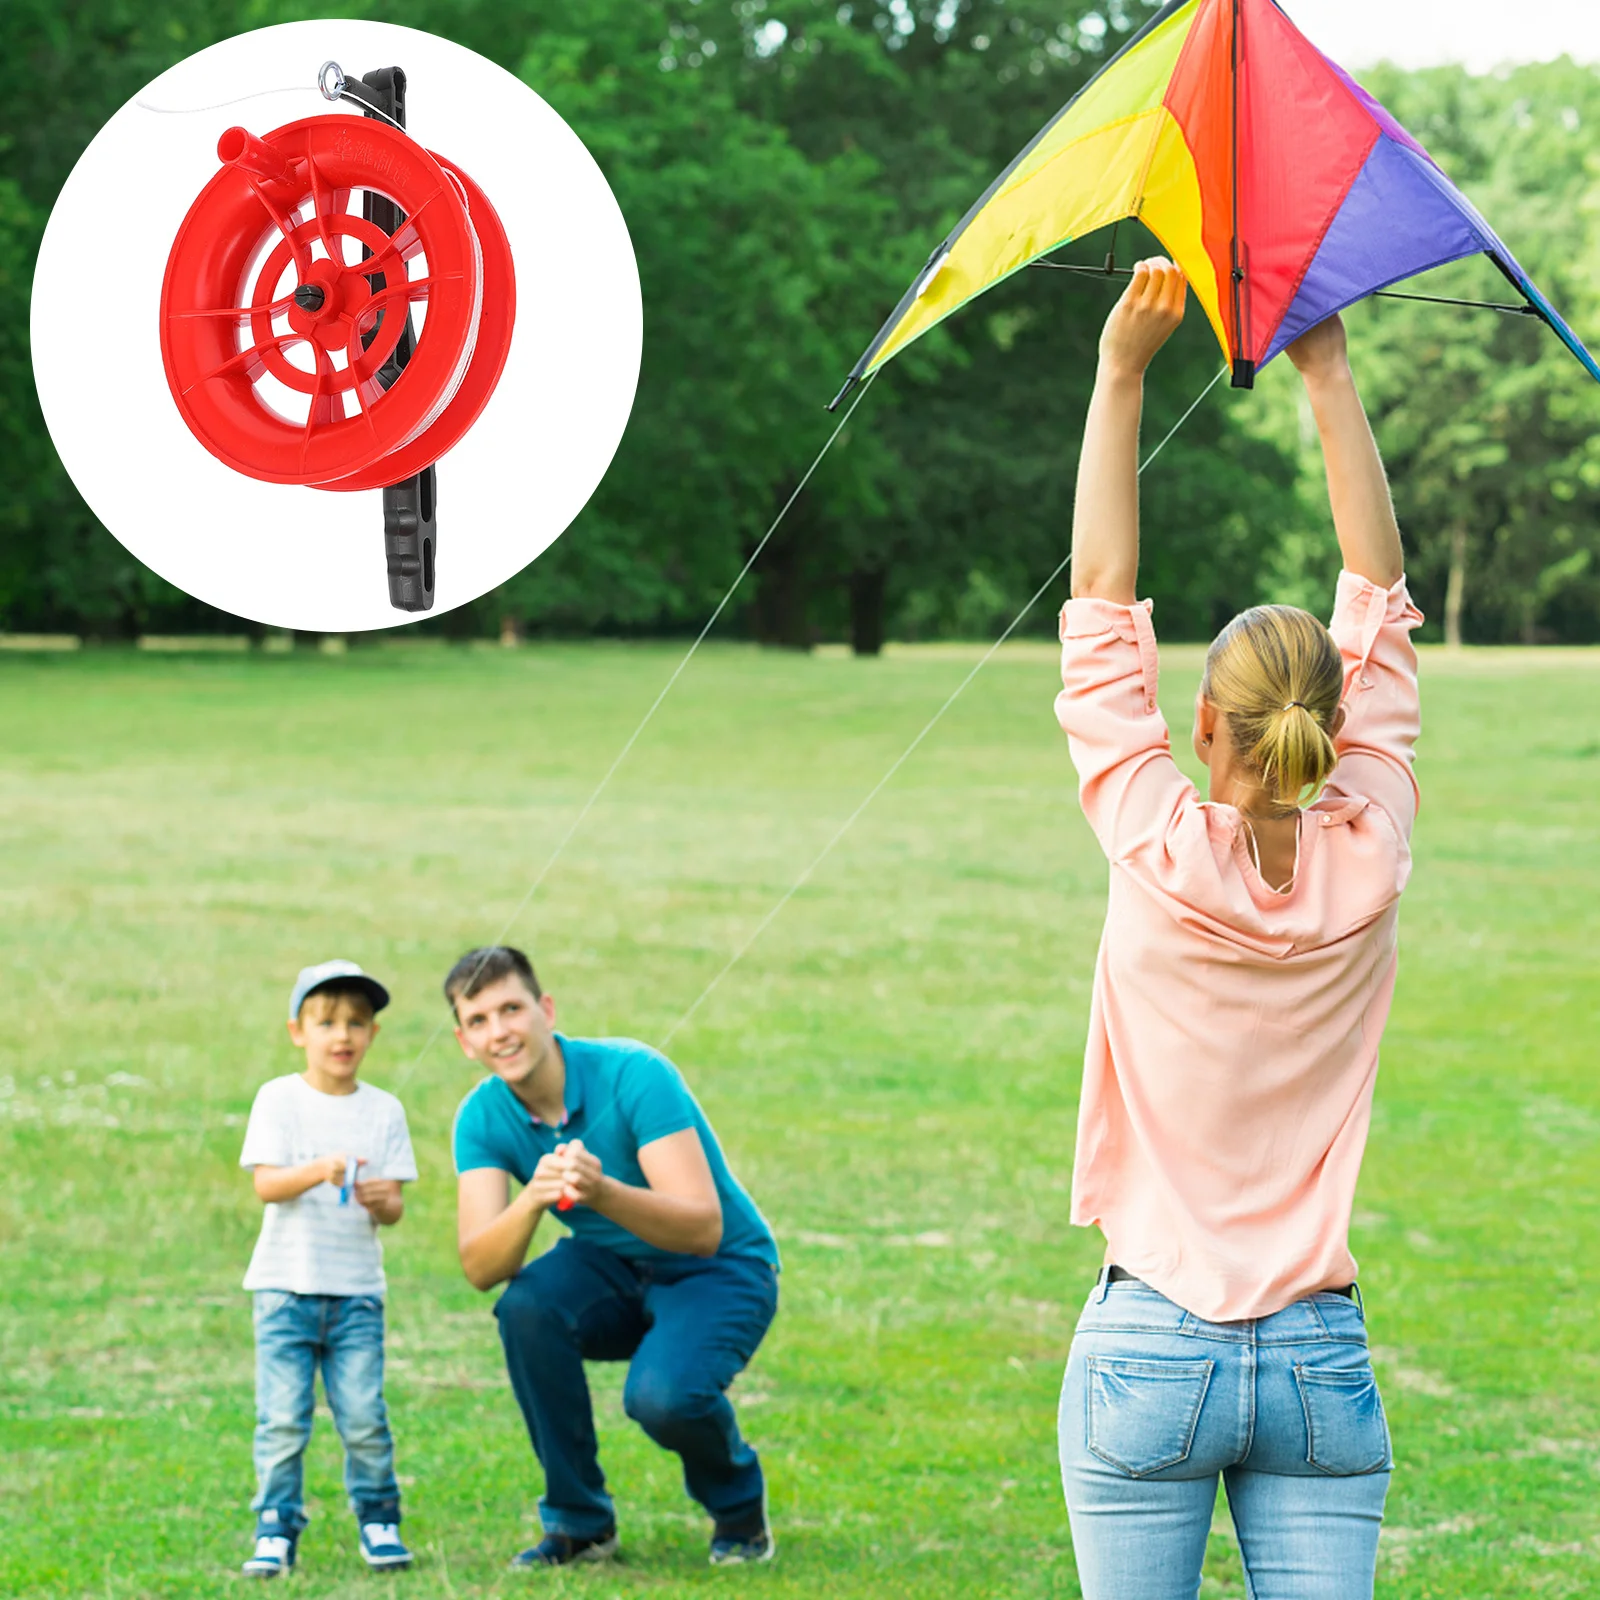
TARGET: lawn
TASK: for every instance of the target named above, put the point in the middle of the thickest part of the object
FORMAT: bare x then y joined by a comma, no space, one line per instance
893,1070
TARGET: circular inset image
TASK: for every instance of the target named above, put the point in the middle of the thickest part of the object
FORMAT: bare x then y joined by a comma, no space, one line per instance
335,323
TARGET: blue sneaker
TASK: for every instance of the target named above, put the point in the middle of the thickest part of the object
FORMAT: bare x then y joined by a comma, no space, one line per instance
381,1548
560,1550
274,1556
738,1544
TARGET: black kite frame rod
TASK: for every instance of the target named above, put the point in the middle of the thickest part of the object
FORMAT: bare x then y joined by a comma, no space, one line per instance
1087,271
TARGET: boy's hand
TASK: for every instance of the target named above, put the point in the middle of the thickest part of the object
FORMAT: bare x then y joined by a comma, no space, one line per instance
1321,350
1144,318
331,1169
581,1173
381,1196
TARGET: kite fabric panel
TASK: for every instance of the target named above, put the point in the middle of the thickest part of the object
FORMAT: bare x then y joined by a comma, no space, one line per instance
1278,184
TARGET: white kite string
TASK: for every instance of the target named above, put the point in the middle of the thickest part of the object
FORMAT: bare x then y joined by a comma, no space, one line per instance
222,105
644,722
905,755
329,88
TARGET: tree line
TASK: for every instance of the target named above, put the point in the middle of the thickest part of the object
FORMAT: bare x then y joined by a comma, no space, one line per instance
784,167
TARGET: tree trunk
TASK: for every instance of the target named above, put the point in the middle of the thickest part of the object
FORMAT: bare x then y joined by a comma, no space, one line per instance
782,589
867,590
1455,588
510,631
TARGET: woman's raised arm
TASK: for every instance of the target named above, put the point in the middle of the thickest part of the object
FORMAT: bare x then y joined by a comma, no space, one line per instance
1363,513
1105,514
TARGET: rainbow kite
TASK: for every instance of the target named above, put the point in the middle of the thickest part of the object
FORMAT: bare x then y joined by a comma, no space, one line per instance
1278,184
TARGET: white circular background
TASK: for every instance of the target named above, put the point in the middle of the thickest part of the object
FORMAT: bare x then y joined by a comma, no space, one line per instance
307,558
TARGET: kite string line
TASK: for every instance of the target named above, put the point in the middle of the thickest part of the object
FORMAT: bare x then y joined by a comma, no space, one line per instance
331,90
222,105
928,727
644,722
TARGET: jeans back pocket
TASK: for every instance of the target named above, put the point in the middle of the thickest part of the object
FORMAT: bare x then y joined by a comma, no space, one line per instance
1347,1434
1143,1414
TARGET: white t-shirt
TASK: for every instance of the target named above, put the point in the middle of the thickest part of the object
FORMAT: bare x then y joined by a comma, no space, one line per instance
313,1244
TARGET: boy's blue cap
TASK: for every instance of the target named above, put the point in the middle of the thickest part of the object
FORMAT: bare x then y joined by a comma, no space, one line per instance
334,972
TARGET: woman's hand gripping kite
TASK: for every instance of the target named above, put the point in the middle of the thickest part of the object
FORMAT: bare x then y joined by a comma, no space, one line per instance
1105,517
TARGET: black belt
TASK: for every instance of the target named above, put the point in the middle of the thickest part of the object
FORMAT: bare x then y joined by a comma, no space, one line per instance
1122,1275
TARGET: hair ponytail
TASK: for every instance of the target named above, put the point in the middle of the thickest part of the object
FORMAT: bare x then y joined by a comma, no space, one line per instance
1294,756
1275,673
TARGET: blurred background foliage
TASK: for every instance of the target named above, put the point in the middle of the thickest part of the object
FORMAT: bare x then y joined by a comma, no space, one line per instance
785,166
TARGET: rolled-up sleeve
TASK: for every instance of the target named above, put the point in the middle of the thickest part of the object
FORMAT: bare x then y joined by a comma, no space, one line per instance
1128,784
1382,709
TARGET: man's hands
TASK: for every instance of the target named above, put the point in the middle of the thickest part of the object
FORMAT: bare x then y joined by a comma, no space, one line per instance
581,1174
677,1208
1144,318
493,1231
1322,351
570,1175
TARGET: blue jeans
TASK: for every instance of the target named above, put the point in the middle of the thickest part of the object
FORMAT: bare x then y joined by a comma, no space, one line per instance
688,1327
1157,1403
344,1333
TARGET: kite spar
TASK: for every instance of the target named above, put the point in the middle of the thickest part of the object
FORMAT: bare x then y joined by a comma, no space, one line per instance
1278,184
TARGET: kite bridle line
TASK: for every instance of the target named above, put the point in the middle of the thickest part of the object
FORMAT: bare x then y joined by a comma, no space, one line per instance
645,720
906,754
1084,270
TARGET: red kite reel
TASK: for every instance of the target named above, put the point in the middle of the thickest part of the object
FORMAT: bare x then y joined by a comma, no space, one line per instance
310,341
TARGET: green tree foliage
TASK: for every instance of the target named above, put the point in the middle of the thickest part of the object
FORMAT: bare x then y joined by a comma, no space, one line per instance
750,255
785,166
1493,429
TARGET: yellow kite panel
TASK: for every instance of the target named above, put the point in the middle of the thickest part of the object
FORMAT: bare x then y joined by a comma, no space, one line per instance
1172,212
1137,83
1086,185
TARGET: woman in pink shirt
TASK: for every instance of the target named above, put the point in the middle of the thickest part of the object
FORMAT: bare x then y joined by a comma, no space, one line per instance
1242,986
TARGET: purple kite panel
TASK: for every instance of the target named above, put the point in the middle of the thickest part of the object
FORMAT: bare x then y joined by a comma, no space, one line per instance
1401,216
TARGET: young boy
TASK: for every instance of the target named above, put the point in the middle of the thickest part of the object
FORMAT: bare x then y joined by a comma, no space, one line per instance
329,1155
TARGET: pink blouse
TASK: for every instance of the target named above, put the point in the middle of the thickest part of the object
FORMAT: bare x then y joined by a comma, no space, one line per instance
1233,1037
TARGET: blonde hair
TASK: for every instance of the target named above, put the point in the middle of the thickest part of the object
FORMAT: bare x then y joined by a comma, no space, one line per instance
1275,673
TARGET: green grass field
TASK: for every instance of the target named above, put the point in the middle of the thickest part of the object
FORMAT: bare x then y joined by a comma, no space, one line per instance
893,1070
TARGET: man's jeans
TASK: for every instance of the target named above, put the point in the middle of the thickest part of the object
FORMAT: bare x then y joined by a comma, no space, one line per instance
1158,1403
689,1326
344,1333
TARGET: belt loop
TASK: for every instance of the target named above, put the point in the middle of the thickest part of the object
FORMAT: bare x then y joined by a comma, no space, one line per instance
1361,1305
1102,1286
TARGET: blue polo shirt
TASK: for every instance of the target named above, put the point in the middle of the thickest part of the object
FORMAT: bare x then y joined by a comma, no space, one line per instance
620,1094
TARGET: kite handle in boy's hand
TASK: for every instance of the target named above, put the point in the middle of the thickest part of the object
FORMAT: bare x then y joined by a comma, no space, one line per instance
341,1173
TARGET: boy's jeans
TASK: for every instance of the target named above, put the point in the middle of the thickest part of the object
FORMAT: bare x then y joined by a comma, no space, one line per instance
687,1327
1158,1403
294,1332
